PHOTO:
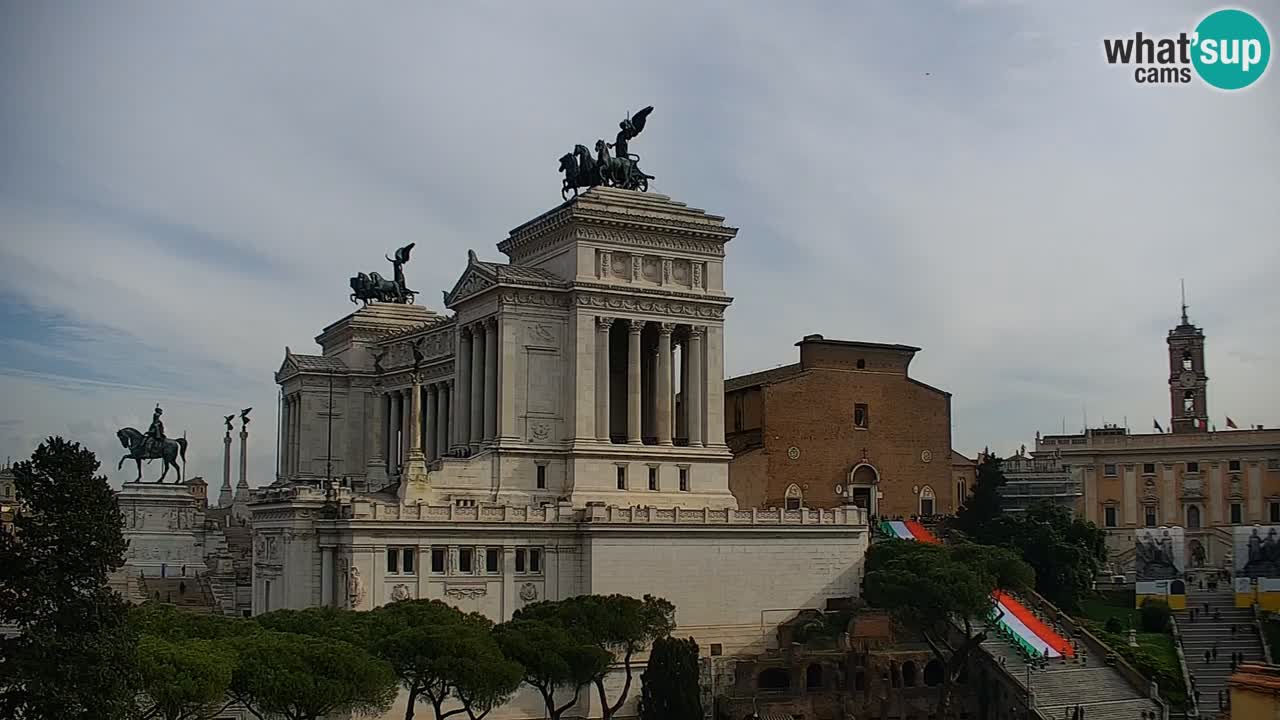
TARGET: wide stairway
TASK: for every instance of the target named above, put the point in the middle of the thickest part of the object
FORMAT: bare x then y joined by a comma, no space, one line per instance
188,593
1066,682
1212,629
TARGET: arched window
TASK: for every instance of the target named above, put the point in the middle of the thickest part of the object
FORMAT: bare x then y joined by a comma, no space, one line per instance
961,495
908,674
773,679
813,677
926,501
1186,360
793,497
1193,517
1188,402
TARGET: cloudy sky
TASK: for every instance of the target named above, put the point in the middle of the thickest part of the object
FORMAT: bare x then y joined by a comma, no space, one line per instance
186,187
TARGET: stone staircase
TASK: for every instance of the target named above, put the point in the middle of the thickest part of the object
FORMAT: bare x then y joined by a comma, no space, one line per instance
188,593
1064,683
1213,629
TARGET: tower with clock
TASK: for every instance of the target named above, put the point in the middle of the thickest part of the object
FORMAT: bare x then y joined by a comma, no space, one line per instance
1188,383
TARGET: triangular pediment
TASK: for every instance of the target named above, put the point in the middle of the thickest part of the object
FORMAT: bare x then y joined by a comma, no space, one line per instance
288,366
475,279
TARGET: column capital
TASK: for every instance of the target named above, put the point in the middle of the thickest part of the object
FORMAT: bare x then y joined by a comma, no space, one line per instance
696,332
490,322
665,329
604,322
635,326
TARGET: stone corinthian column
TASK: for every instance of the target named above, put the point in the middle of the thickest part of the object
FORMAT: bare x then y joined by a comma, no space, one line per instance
664,383
634,327
462,391
429,422
693,394
490,379
603,325
478,351
442,418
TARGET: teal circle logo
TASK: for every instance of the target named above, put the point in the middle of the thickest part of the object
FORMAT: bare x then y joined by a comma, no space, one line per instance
1231,49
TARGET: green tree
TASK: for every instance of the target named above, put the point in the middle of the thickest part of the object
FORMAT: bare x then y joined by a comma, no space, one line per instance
555,660
984,504
931,588
619,624
669,684
438,652
301,677
72,656
184,679
1066,552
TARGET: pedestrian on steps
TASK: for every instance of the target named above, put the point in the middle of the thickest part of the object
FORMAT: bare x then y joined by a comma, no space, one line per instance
1206,657
1233,629
1215,652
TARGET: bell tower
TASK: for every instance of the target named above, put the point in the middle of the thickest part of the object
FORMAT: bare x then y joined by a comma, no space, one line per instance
1188,384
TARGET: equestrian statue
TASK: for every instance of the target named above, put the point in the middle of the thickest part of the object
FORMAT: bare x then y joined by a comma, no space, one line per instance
375,288
152,445
620,169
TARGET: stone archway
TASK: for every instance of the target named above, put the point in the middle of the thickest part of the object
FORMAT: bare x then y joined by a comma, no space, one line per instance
864,479
793,498
927,504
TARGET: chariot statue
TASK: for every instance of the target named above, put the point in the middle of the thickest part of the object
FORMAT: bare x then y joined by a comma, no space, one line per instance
620,169
375,288
152,445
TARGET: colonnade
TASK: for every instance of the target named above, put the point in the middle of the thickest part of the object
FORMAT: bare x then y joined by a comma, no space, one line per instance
397,425
643,379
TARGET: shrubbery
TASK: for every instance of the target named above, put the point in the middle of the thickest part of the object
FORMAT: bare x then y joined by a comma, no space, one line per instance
1155,615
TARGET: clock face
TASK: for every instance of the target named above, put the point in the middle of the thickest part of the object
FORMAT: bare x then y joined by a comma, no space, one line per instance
1187,380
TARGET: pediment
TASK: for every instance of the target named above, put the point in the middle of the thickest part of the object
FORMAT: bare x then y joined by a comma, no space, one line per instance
289,366
475,279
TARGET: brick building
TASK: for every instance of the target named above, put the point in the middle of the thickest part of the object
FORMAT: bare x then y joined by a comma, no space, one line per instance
845,424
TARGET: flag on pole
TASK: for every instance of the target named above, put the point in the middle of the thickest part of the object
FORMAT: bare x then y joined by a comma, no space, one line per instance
1157,424
1232,423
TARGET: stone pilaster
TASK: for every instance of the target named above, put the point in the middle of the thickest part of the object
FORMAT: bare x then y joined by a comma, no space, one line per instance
430,420
462,395
693,393
603,325
443,418
393,452
490,379
664,383
633,381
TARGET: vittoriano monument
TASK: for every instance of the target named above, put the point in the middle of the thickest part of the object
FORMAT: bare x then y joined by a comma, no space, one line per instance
620,169
375,288
153,445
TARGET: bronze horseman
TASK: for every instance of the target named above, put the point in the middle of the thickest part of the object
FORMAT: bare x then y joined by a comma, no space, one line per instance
620,170
152,446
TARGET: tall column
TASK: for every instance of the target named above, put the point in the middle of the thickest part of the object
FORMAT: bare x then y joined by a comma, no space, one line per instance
296,416
393,455
682,429
462,394
224,496
633,381
285,441
326,577
443,421
377,463
430,423
414,455
406,425
603,377
244,456
649,390
477,387
693,393
664,383
289,436
490,379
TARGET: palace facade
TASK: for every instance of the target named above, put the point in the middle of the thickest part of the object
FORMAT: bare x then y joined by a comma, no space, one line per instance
1193,476
560,432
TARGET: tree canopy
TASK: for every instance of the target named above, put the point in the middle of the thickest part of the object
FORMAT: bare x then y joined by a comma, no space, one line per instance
1066,552
73,654
555,659
669,684
983,504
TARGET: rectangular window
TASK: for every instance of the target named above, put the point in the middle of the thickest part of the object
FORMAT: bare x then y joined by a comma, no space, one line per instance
684,479
1109,516
1233,466
1150,516
437,560
542,477
410,554
622,477
528,560
1193,467
1274,509
466,560
860,419
535,560
393,561
520,555
491,557
1148,468
1237,513
653,478
1109,470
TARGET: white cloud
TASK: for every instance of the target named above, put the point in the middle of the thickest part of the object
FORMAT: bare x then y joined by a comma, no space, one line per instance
185,191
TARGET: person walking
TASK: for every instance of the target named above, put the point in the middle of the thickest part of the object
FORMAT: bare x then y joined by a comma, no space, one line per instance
1206,657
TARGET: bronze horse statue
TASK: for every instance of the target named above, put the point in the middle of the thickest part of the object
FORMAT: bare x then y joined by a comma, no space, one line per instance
579,170
140,448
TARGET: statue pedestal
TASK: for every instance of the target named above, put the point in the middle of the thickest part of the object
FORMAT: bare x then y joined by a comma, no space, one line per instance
164,524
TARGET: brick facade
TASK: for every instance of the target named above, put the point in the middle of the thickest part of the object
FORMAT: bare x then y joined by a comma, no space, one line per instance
796,425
